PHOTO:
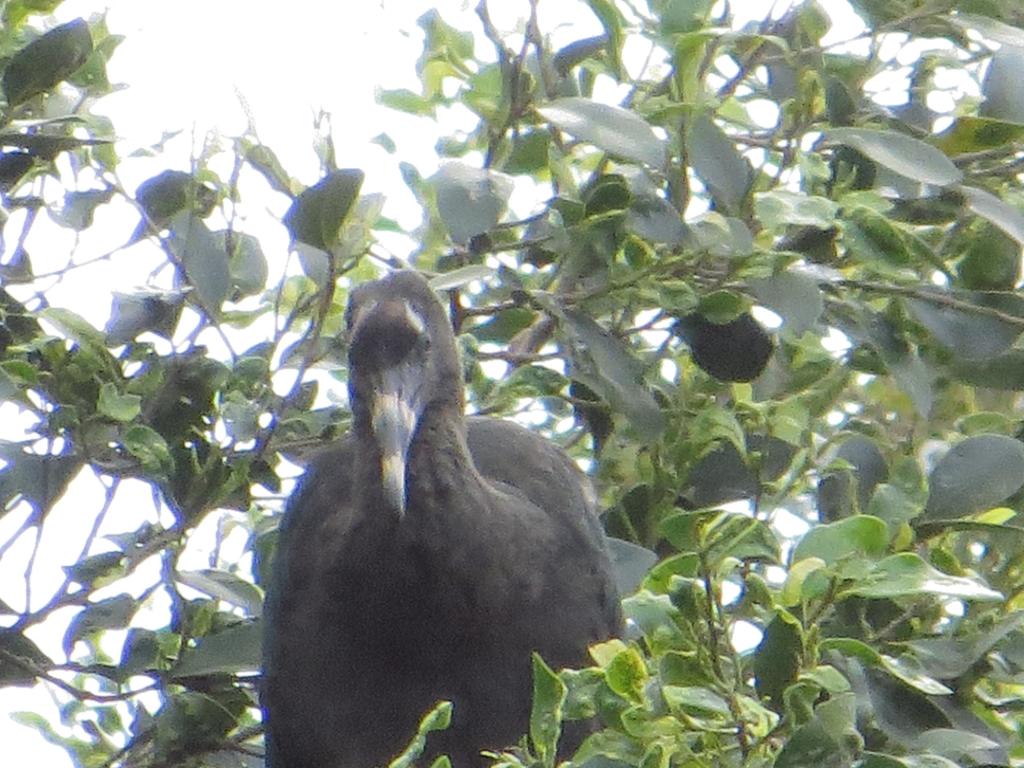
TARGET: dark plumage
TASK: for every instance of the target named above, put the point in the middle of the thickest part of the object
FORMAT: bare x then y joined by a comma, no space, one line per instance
423,558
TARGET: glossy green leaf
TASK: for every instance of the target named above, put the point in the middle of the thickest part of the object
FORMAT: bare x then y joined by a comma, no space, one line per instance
631,562
1008,218
949,658
898,152
976,473
715,158
972,335
907,575
616,130
1001,86
853,539
607,366
869,656
1003,372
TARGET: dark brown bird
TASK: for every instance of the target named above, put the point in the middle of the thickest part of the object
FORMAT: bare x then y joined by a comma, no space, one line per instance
424,557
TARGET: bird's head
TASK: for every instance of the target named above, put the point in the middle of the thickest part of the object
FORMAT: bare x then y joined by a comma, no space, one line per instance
402,361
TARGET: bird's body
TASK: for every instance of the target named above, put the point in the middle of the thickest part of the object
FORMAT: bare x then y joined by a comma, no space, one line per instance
392,594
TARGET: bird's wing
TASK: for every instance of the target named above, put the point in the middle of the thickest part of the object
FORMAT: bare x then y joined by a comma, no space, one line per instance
521,463
536,468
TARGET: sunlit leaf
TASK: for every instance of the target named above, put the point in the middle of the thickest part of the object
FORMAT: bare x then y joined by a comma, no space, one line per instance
907,575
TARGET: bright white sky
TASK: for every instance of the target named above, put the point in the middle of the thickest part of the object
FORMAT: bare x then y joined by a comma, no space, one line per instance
185,62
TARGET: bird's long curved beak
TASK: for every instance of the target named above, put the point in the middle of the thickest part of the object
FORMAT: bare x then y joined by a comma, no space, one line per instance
395,412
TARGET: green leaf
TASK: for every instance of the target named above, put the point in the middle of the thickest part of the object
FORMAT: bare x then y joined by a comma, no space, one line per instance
852,540
1003,372
146,444
247,264
203,259
949,658
873,237
229,651
404,100
794,296
799,584
898,152
470,200
47,61
39,479
166,194
907,575
549,694
626,674
1001,86
613,129
74,327
97,570
779,655
971,335
316,215
725,172
14,643
970,133
694,700
990,261
529,153
225,586
607,366
111,613
612,20
437,719
79,207
976,473
895,667
134,313
630,563
733,534
830,738
780,209
682,16
116,406
989,27
1005,216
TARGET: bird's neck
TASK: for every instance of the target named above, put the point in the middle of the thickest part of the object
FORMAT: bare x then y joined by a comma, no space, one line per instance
439,465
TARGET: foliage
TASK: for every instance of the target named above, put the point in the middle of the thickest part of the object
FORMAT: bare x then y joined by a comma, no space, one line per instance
839,478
